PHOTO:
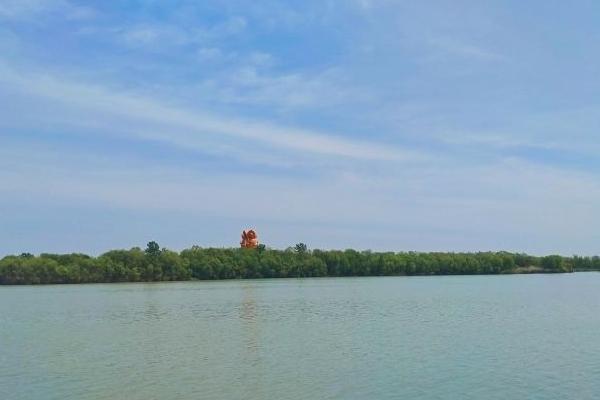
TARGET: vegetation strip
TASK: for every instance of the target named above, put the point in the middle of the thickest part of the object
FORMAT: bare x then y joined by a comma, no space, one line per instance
156,264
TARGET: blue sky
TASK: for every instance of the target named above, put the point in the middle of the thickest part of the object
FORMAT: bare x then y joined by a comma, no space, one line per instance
385,125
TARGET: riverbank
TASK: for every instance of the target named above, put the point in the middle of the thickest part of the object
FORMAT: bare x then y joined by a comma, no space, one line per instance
155,264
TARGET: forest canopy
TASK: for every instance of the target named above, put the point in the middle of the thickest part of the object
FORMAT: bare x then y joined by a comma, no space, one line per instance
159,264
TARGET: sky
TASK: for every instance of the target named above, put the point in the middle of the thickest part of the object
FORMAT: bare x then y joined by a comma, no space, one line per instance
386,125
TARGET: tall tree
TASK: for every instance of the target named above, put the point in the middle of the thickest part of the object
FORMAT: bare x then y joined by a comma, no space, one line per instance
301,248
152,249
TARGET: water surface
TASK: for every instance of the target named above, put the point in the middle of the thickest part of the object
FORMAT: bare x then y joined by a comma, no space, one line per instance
467,337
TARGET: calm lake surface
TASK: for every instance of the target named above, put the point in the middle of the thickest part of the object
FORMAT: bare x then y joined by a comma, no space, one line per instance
454,337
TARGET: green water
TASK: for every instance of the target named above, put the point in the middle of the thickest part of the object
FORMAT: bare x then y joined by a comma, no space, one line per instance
461,337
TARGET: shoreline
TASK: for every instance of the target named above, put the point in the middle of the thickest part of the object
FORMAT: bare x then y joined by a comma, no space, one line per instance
209,264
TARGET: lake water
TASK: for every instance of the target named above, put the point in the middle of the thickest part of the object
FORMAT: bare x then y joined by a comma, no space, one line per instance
454,337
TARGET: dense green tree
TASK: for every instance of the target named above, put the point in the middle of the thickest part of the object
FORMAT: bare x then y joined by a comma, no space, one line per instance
154,264
153,249
553,263
301,248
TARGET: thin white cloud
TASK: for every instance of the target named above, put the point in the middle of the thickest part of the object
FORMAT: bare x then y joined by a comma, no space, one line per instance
28,9
158,36
468,50
185,126
508,205
565,130
21,8
251,84
496,140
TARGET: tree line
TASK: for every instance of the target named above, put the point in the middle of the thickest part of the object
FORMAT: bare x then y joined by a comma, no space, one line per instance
159,264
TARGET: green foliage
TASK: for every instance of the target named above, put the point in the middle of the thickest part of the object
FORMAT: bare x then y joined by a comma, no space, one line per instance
554,263
301,248
153,249
154,264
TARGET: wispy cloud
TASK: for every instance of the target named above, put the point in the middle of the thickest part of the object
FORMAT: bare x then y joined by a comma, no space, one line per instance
497,140
460,48
191,128
294,90
27,9
159,34
21,8
509,204
566,131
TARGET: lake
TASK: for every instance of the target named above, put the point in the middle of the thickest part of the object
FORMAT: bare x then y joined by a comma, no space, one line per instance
446,337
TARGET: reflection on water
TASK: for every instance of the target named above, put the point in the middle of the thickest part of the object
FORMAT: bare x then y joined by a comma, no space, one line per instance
250,330
250,327
492,337
248,311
